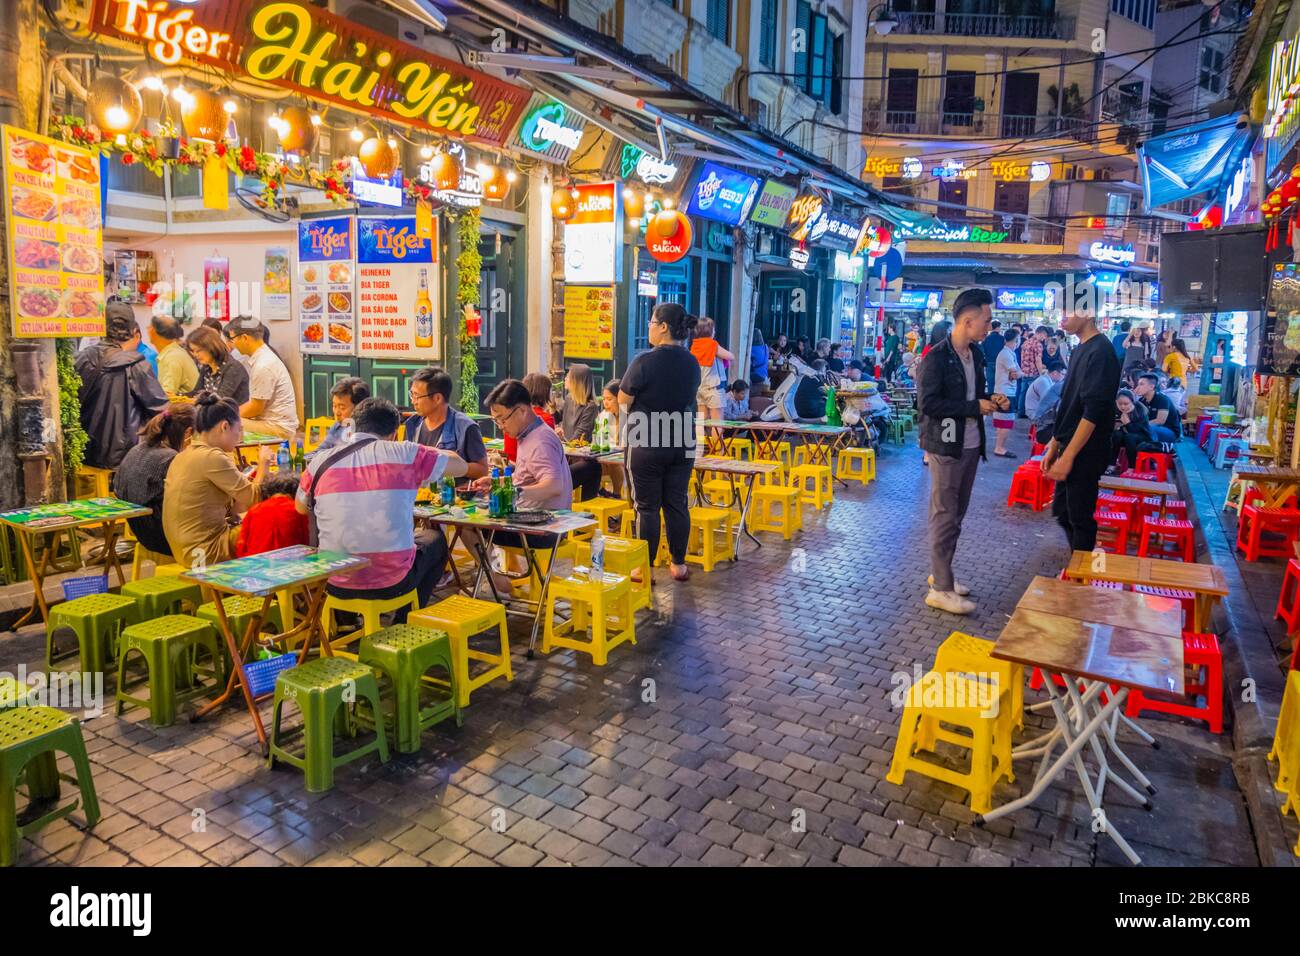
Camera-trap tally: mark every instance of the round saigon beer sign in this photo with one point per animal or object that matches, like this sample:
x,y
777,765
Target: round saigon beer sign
x,y
672,247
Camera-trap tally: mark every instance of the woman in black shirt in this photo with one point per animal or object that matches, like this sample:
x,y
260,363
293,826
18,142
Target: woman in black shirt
x,y
218,371
658,390
141,475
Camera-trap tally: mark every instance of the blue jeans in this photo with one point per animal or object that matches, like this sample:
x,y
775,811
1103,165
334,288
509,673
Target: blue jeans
x,y
1161,433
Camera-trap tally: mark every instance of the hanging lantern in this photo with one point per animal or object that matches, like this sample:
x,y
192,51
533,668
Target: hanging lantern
x,y
298,134
666,223
562,205
378,159
444,171
473,322
633,203
496,184
114,104
1211,217
203,116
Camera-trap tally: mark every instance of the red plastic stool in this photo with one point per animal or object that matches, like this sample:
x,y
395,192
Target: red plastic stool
x,y
1199,650
1186,598
1255,522
1149,507
1175,509
1027,488
1154,461
1128,504
1178,533
1288,599
1115,521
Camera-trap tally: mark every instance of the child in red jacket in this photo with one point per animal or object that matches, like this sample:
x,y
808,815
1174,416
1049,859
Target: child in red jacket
x,y
274,522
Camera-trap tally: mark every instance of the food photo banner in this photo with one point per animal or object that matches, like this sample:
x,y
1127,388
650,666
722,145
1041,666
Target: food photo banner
x,y
55,239
326,267
397,290
293,44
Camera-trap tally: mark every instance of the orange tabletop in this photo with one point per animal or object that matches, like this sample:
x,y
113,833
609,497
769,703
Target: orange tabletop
x,y
1125,609
1138,486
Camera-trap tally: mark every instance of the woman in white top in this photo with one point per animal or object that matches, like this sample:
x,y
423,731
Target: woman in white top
x,y
1005,376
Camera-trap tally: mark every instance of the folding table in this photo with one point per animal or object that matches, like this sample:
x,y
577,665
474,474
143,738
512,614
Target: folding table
x,y
1206,581
747,471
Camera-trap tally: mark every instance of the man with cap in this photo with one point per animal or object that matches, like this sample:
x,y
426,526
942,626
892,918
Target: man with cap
x,y
119,391
271,408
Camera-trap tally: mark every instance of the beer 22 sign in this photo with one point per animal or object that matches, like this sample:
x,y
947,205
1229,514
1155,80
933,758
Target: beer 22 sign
x,y
325,57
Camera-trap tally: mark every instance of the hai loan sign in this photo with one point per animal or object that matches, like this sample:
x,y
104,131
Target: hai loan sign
x,y
292,44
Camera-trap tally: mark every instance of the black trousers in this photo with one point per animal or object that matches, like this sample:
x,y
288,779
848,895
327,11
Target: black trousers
x,y
1075,503
428,566
660,479
586,477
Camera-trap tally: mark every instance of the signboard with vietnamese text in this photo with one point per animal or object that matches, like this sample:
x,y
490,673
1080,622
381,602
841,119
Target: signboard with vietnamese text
x,y
1032,300
593,237
397,291
589,322
772,207
325,57
55,237
325,288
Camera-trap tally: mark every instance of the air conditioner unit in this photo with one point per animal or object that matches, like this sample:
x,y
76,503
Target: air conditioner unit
x,y
756,111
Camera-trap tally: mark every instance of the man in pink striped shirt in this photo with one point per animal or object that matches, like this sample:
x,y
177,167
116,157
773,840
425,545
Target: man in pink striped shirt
x,y
364,505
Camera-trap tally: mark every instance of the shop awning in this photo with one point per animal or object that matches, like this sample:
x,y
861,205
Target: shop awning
x,y
1196,159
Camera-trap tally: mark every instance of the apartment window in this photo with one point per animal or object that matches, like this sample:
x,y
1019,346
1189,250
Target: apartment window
x,y
817,67
1011,199
767,34
1211,76
952,192
900,104
1141,12
718,19
959,98
1116,212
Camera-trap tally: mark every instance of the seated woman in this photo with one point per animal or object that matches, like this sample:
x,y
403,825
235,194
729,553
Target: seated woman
x,y
218,370
1132,428
577,421
205,492
610,421
141,476
274,522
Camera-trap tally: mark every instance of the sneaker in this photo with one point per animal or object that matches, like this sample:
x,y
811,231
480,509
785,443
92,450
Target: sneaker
x,y
949,601
959,588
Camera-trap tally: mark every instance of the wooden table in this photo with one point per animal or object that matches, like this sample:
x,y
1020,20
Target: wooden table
x,y
1206,581
747,471
1138,486
263,576
30,523
1274,482
1111,642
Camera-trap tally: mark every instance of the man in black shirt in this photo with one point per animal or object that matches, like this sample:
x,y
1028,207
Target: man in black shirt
x,y
1166,423
992,349
1079,451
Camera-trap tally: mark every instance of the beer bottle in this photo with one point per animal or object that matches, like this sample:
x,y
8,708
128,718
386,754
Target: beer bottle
x,y
423,314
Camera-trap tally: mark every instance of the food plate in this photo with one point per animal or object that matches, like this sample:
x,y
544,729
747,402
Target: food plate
x,y
309,274
340,302
80,304
340,332
36,254
311,302
313,333
339,272
32,154
33,204
83,259
80,212
79,168
529,517
37,303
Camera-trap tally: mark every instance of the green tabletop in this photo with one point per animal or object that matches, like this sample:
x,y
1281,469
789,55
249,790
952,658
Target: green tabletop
x,y
257,438
562,521
494,444
264,574
61,514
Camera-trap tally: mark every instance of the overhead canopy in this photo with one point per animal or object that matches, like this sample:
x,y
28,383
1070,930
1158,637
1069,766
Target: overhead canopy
x,y
1193,160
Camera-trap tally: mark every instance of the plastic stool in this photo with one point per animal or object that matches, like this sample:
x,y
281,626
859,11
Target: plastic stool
x,y
820,491
603,509
1027,488
167,645
320,688
30,739
741,449
97,620
1154,461
1199,650
1180,532
966,654
1288,599
1254,522
1186,598
781,455
405,654
594,597
856,464
161,595
623,557
1117,522
93,482
1286,739
461,618
776,509
706,525
369,608
1126,504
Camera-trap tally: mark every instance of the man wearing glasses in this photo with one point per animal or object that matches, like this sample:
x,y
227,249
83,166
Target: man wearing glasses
x,y
437,424
541,478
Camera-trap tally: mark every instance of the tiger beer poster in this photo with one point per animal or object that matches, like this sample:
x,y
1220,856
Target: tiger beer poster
x,y
55,237
326,324
397,290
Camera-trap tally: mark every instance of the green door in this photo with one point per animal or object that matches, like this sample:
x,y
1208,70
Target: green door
x,y
321,373
391,379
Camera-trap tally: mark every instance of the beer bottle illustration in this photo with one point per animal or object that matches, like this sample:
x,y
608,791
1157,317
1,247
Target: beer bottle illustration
x,y
423,314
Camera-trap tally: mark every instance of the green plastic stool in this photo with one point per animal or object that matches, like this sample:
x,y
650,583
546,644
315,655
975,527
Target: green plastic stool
x,y
319,688
14,694
897,431
96,619
167,645
158,596
405,653
30,737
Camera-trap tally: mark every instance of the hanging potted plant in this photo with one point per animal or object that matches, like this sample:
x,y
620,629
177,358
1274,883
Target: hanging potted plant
x,y
169,140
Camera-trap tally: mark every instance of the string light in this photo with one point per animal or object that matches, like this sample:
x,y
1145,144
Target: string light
x,y
356,134
426,151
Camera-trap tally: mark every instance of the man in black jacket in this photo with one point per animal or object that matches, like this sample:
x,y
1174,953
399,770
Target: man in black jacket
x,y
953,400
119,391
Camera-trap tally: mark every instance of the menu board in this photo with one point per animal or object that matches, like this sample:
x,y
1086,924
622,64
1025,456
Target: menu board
x,y
55,236
325,293
397,290
276,285
1279,347
589,321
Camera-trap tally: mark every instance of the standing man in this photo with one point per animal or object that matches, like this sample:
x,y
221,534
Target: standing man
x,y
271,408
438,424
992,349
1118,338
1006,381
177,372
1079,451
953,402
1031,364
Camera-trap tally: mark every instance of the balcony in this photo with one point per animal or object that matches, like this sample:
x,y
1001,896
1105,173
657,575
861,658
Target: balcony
x,y
986,25
977,125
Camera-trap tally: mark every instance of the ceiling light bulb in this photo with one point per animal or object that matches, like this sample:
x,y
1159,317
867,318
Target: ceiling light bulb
x,y
315,119
392,142
356,134
179,93
510,176
426,151
230,106
117,117
483,169
152,82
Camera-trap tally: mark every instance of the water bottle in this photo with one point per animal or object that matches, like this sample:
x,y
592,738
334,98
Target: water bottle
x,y
494,494
508,490
447,492
282,457
597,554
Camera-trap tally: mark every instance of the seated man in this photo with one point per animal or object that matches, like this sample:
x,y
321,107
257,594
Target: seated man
x,y
1166,422
345,396
439,424
735,404
363,503
271,408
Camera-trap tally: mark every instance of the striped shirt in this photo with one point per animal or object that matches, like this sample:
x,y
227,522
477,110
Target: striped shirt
x,y
365,507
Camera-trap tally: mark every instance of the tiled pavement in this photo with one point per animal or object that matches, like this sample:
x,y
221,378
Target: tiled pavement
x,y
770,695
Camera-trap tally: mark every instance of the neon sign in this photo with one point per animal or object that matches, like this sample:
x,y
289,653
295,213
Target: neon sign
x,y
550,129
1283,85
1009,170
942,232
649,169
292,44
1112,254
952,169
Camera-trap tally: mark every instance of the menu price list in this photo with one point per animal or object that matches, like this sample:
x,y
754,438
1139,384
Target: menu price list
x,y
589,321
325,307
56,262
386,327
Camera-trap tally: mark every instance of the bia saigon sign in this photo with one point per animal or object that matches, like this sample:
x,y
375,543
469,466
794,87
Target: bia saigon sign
x,y
292,44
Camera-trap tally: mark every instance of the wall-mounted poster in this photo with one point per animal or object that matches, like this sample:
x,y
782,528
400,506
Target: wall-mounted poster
x,y
276,286
589,321
216,288
397,290
325,287
592,237
1191,326
55,238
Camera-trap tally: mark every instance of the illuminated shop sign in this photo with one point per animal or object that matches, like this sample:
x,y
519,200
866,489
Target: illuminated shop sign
x,y
812,220
799,257
773,205
1037,300
1112,254
550,129
917,299
651,170
942,232
908,167
1283,86
723,195
1010,170
952,169
298,46
468,193
382,191
847,268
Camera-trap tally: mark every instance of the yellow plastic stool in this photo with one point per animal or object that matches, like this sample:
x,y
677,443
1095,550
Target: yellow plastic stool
x,y
856,464
961,702
626,524
821,493
143,554
168,570
462,618
964,654
706,525
1286,740
93,482
776,509
315,432
782,456
623,557
595,597
603,509
368,608
718,493
741,449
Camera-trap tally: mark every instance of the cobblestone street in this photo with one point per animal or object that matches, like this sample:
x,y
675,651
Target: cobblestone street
x,y
771,695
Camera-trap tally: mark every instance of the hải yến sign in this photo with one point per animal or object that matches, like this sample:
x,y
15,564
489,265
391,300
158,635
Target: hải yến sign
x,y
323,56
